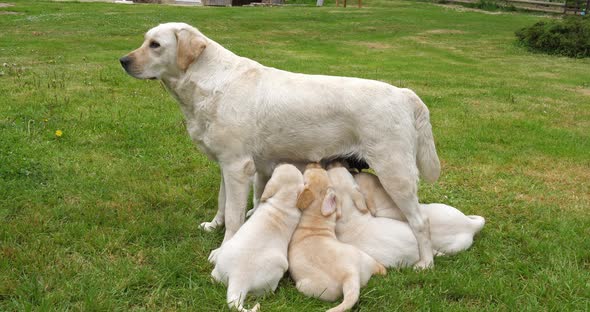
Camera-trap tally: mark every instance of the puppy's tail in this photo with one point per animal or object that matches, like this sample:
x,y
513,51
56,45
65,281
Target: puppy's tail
x,y
426,156
351,290
236,296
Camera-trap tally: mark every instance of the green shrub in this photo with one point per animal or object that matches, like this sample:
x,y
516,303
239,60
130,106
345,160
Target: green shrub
x,y
569,37
488,5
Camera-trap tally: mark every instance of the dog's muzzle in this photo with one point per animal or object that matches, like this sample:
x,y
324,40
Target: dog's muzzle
x,y
125,62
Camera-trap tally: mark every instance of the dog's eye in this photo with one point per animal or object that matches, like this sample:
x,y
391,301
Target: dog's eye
x,y
154,45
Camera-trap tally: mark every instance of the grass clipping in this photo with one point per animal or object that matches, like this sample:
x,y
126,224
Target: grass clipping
x,y
568,37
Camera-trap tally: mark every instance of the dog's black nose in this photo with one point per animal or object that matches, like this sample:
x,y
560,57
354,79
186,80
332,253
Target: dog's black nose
x,y
125,61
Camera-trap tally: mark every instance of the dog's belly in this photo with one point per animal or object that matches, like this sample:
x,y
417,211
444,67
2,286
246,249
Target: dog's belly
x,y
266,165
311,141
324,142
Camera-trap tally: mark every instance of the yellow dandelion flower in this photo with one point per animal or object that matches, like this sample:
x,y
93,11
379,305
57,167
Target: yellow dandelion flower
x,y
58,133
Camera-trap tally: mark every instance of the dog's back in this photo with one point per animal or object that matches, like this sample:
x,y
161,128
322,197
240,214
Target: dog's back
x,y
321,265
451,230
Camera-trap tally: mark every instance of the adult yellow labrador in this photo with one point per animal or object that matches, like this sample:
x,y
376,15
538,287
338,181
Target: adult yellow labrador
x,y
249,117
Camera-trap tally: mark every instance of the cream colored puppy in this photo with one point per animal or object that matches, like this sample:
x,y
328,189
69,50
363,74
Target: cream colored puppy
x,y
255,259
390,242
451,231
321,265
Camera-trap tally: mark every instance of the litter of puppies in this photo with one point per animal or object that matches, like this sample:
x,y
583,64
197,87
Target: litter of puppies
x,y
340,227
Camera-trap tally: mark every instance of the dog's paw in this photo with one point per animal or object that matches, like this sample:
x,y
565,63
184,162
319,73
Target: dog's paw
x,y
209,226
380,269
250,212
213,255
423,265
438,253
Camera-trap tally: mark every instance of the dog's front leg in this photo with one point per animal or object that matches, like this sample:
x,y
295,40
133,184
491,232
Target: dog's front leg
x,y
260,181
219,218
237,176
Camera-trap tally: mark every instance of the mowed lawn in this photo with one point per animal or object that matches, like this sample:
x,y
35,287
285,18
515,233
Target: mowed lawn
x,y
106,216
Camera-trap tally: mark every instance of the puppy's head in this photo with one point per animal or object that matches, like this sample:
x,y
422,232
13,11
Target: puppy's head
x,y
286,181
317,193
346,187
167,51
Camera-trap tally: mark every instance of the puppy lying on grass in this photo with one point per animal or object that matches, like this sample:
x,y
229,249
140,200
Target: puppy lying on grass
x,y
320,265
451,231
255,258
390,242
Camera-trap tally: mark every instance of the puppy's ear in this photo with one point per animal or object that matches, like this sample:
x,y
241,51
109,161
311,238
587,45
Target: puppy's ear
x,y
359,200
305,198
329,204
189,47
270,190
370,201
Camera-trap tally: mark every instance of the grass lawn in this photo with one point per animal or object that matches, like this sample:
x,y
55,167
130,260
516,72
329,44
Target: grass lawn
x,y
106,216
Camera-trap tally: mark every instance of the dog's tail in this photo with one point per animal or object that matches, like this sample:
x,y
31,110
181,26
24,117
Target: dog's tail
x,y
236,295
426,157
351,290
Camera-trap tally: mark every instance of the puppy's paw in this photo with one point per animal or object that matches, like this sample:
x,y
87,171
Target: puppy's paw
x,y
250,212
438,253
216,276
210,226
423,265
213,255
380,269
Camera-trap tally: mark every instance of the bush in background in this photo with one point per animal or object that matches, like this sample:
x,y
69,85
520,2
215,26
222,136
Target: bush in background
x,y
569,37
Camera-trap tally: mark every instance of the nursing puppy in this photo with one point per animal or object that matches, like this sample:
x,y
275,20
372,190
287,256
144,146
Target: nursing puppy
x,y
249,117
321,265
451,231
390,242
255,259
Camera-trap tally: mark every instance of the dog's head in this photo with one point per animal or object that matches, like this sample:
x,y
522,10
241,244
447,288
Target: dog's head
x,y
286,182
347,190
317,193
167,51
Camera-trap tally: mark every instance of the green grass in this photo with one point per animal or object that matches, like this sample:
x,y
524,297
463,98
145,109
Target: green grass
x,y
106,216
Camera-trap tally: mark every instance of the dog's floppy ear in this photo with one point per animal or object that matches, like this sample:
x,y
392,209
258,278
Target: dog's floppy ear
x,y
189,47
359,200
305,198
270,190
329,204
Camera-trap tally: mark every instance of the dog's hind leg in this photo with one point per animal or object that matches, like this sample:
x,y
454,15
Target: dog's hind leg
x,y
219,219
398,173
